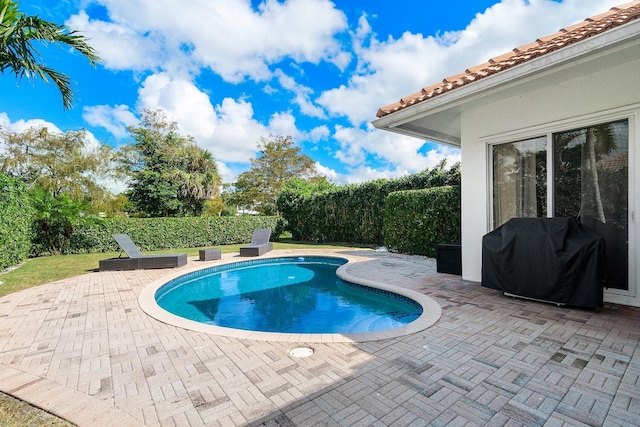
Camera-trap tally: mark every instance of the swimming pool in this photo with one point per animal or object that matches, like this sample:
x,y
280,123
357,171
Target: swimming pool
x,y
290,295
295,298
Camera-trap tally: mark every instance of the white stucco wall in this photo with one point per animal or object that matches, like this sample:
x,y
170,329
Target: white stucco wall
x,y
599,97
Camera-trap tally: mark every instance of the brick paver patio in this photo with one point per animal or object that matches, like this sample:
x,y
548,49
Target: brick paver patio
x,y
83,349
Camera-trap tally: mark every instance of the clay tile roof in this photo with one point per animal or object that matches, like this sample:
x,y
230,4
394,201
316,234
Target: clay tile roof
x,y
615,17
614,164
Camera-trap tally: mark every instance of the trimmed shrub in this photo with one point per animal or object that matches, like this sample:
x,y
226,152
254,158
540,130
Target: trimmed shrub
x,y
419,220
352,213
152,234
15,221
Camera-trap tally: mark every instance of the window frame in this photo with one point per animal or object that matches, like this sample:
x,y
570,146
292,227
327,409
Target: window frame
x,y
630,113
492,174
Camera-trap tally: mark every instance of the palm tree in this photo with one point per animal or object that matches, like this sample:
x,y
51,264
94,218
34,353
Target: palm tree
x,y
598,138
592,144
18,54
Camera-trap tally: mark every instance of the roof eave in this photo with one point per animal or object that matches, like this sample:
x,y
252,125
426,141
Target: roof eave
x,y
401,121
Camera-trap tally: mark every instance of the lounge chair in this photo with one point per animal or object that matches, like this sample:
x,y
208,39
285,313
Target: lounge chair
x,y
137,260
259,245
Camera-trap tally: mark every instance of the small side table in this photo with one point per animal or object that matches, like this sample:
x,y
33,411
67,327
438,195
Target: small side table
x,y
210,254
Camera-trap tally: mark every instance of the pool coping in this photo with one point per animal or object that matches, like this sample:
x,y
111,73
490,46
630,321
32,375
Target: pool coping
x,y
431,310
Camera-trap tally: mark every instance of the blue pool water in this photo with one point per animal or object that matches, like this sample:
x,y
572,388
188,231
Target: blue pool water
x,y
290,294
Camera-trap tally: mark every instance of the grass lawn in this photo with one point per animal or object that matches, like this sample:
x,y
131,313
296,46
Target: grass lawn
x,y
16,413
37,271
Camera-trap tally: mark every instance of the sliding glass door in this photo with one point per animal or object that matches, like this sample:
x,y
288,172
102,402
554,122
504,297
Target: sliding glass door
x,y
589,181
591,168
519,180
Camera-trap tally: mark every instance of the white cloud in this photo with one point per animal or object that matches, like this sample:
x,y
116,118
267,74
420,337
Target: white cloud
x,y
401,153
350,151
226,173
387,71
392,68
331,174
168,45
23,125
406,153
114,119
230,37
389,68
227,130
237,132
283,124
512,23
302,95
120,47
319,133
185,103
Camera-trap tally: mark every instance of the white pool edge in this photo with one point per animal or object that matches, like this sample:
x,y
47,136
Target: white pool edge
x,y
431,310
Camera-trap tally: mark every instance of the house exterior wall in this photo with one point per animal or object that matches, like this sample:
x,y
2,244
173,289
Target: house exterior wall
x,y
609,94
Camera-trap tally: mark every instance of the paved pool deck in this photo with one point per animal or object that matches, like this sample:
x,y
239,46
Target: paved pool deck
x,y
83,349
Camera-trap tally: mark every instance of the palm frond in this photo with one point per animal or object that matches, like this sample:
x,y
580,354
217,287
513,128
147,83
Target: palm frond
x,y
19,37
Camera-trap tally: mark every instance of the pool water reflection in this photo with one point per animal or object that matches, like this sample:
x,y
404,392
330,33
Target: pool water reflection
x,y
287,295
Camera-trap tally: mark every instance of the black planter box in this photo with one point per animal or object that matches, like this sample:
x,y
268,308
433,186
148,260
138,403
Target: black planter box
x,y
449,258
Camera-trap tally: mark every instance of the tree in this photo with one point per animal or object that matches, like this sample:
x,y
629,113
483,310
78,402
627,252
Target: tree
x,y
600,141
230,206
578,153
307,188
55,218
63,174
15,221
19,36
59,163
110,206
278,161
213,207
169,174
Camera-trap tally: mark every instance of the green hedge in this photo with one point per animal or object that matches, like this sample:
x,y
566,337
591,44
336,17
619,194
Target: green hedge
x,y
353,213
15,221
151,234
417,221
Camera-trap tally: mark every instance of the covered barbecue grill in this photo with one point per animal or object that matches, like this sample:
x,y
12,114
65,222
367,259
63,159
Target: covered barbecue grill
x,y
557,260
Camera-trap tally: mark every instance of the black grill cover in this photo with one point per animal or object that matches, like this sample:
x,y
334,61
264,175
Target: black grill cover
x,y
550,259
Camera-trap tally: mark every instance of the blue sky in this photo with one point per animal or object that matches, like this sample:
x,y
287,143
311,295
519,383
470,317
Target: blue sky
x,y
232,71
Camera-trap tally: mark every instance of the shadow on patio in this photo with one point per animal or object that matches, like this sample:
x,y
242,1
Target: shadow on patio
x,y
490,360
82,348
